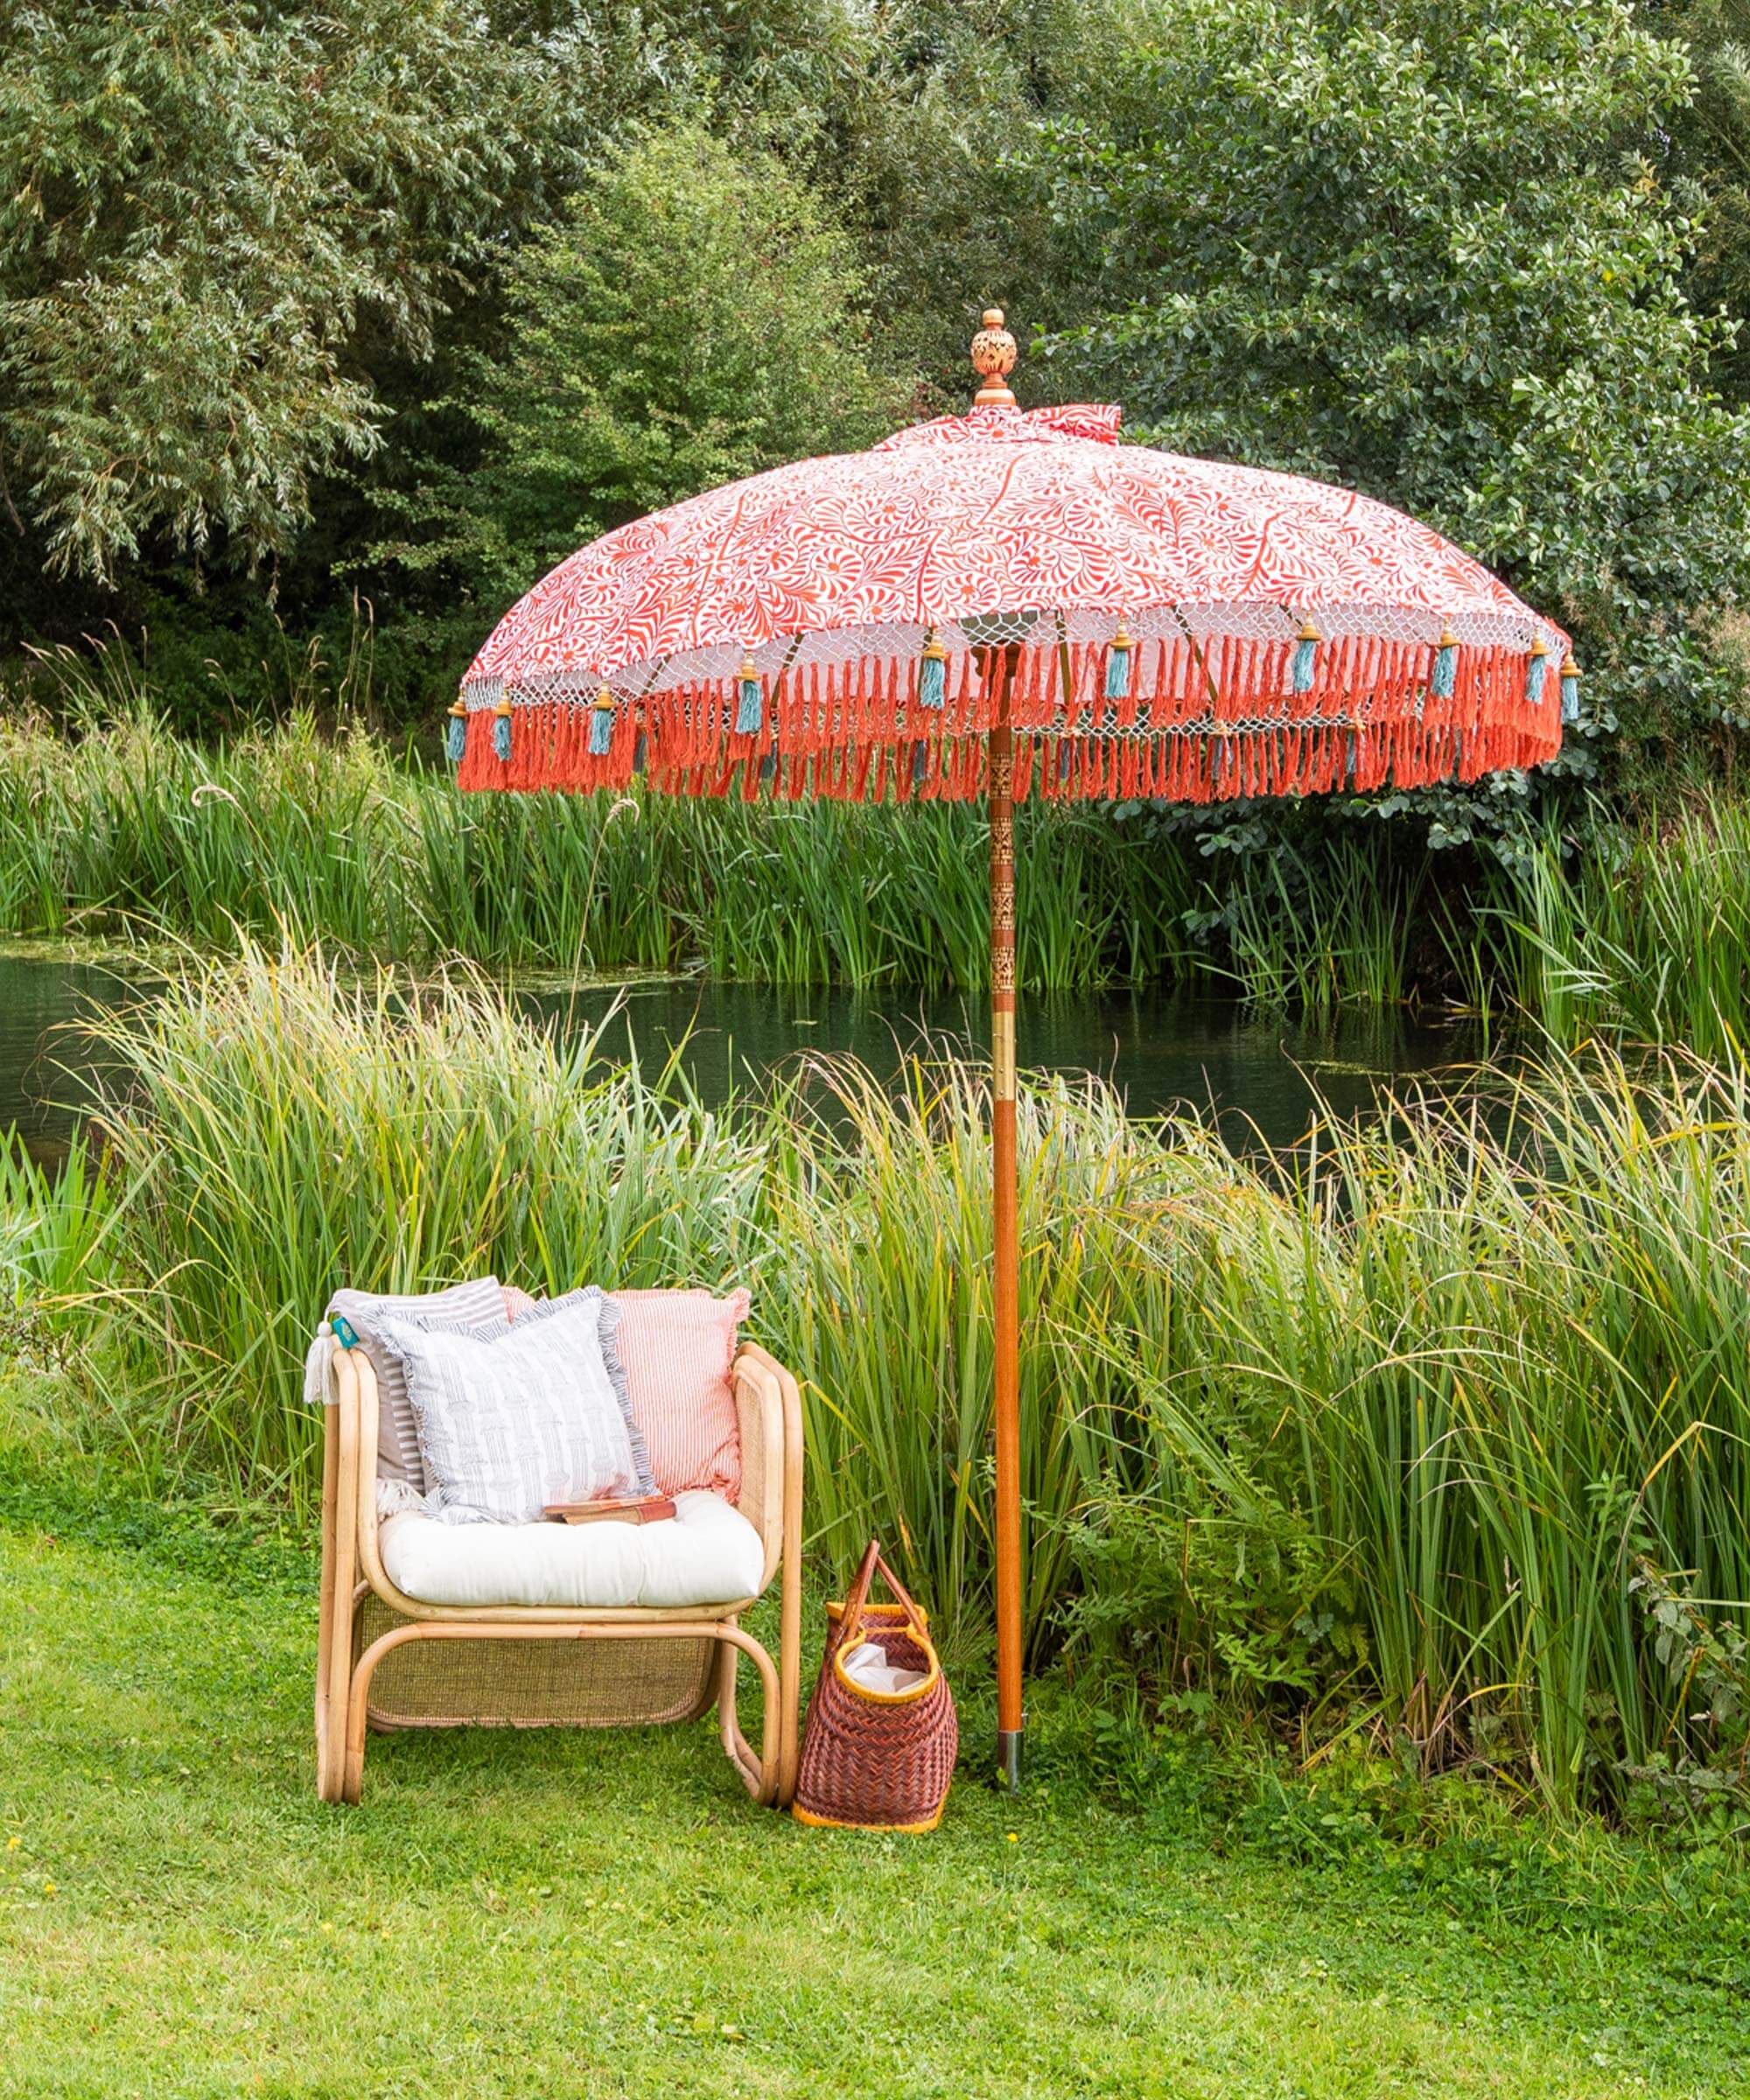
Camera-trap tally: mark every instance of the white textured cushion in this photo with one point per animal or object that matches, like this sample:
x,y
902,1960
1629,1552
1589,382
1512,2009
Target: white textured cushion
x,y
512,1418
706,1553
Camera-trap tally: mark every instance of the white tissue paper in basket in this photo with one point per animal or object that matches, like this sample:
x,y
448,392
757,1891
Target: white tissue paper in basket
x,y
867,1665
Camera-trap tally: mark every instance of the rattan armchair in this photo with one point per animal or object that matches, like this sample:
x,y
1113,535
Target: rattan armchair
x,y
386,1661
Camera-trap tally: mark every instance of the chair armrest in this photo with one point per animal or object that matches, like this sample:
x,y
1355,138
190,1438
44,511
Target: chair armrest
x,y
769,1412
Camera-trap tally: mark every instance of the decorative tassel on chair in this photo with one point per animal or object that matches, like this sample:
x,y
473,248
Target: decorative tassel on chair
x,y
1571,690
1118,663
750,716
502,730
456,735
932,673
601,724
1305,649
1536,665
1445,679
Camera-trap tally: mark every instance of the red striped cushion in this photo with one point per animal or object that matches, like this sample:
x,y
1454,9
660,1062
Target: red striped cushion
x,y
677,1347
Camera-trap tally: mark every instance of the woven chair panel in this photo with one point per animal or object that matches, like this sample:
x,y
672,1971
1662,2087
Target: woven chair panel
x,y
564,1682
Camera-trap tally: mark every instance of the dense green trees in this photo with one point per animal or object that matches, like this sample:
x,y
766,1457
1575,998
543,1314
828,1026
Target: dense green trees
x,y
1703,154
1415,246
297,302
690,317
213,218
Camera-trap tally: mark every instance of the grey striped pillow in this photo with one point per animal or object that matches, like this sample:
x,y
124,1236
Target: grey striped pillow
x,y
473,1305
513,1418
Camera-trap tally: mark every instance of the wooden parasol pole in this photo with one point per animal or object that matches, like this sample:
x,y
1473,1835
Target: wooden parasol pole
x,y
993,358
1006,1290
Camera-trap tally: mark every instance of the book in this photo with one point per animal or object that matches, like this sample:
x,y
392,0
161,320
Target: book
x,y
614,1509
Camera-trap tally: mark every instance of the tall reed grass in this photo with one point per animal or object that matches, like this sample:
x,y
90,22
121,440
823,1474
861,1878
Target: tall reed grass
x,y
1384,1434
111,826
1647,931
124,831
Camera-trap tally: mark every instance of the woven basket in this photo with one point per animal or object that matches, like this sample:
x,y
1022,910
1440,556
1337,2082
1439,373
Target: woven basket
x,y
876,1760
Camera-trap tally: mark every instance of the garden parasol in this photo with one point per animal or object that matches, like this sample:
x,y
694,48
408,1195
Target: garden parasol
x,y
1005,605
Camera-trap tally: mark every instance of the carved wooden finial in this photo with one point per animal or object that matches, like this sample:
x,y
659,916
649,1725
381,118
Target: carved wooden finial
x,y
993,358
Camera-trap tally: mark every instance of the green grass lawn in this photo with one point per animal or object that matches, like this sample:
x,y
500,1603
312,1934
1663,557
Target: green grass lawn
x,y
553,1913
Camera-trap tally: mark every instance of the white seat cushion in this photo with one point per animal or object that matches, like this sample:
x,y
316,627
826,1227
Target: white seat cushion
x,y
706,1553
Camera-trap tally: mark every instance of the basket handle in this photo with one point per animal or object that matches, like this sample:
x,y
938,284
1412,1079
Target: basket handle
x,y
857,1595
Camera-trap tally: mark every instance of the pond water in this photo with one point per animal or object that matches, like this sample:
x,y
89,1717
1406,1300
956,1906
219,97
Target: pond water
x,y
1161,1051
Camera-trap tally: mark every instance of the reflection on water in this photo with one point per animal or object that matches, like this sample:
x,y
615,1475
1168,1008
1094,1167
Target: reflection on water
x,y
1162,1052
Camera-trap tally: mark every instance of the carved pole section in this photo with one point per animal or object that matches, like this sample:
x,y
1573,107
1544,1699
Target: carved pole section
x,y
1007,1292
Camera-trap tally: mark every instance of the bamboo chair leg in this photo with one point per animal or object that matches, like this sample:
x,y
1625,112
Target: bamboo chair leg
x,y
790,1599
336,1601
352,1758
334,1682
762,1775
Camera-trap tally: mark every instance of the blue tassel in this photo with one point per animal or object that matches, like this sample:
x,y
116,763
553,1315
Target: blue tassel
x,y
750,715
1445,679
1118,665
1571,691
501,732
641,753
1536,665
919,762
768,769
601,724
933,675
455,736
1305,650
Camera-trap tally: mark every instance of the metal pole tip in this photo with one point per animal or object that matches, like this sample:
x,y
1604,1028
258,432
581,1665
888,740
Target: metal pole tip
x,y
1008,1759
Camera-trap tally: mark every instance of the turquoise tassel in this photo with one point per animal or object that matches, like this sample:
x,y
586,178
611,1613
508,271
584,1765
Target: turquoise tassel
x,y
1305,651
933,675
1536,667
919,762
601,726
1446,678
455,736
1571,692
640,754
502,734
750,715
1118,665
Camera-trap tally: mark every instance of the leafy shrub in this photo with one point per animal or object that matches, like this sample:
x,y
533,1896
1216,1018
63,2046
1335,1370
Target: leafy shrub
x,y
691,317
1225,1585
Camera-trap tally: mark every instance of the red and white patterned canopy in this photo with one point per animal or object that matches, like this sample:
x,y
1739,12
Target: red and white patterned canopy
x,y
1033,541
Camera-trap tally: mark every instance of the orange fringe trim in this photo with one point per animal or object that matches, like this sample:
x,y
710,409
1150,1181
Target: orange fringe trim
x,y
1198,724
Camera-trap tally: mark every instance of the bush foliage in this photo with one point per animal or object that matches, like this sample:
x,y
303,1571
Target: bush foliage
x,y
691,317
1420,248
